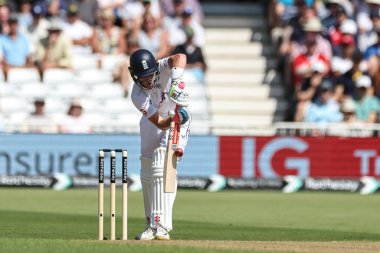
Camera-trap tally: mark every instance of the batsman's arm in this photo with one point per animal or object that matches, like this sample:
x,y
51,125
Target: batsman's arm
x,y
159,122
177,61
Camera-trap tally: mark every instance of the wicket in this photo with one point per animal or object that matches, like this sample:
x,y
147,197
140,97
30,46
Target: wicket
x,y
113,193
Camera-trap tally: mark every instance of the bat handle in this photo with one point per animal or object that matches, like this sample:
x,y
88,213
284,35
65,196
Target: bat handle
x,y
176,118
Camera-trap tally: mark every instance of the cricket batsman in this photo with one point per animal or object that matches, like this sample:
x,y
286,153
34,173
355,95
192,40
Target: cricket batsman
x,y
157,91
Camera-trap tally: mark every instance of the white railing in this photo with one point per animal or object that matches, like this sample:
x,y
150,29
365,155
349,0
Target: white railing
x,y
279,128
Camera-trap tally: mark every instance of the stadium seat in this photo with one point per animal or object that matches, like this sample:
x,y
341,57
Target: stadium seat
x,y
81,62
93,76
23,75
32,91
67,91
11,105
53,76
116,106
109,62
106,90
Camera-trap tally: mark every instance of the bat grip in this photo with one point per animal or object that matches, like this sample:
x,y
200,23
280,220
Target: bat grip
x,y
176,118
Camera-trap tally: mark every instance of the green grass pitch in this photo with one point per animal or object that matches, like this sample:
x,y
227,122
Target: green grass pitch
x,y
42,220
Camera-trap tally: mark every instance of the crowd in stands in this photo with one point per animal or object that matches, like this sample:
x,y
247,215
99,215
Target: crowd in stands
x,y
328,55
51,34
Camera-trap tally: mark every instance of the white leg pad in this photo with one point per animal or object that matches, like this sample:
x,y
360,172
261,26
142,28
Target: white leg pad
x,y
146,182
162,202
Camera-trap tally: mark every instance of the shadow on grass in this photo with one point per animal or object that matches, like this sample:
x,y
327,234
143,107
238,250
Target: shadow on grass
x,y
64,226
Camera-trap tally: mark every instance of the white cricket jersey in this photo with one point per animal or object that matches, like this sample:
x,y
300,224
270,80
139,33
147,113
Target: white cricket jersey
x,y
148,102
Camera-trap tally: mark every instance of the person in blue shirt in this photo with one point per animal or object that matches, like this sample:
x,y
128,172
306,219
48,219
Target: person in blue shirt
x,y
325,110
373,50
367,107
15,47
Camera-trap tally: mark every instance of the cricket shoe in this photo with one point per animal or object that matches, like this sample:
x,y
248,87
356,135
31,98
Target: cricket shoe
x,y
146,235
161,233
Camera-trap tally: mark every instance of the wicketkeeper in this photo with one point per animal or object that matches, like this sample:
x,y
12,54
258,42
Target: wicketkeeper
x,y
157,90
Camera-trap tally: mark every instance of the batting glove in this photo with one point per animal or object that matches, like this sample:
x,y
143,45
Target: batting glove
x,y
182,113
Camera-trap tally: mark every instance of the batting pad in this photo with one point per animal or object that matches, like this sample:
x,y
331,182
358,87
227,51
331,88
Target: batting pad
x,y
162,202
146,182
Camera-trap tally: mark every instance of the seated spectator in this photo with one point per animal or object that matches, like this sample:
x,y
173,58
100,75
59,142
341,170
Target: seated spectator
x,y
25,18
312,39
173,18
348,110
88,10
199,33
153,7
305,64
174,8
4,16
78,31
308,92
38,121
194,55
74,122
54,51
15,48
344,37
366,106
55,10
372,54
107,38
325,109
37,30
153,38
306,56
293,29
121,72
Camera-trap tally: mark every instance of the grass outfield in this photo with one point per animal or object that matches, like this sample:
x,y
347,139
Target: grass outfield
x,y
35,220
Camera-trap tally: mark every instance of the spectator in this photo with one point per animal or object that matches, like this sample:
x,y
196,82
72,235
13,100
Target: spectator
x,y
113,4
55,10
38,121
88,10
15,47
348,110
344,72
74,122
174,8
78,31
308,92
153,38
199,33
366,106
313,50
107,38
121,72
344,37
54,51
173,18
25,17
38,29
4,16
325,109
293,30
372,54
153,7
194,55
312,38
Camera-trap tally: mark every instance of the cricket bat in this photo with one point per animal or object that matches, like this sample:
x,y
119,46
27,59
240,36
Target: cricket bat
x,y
170,163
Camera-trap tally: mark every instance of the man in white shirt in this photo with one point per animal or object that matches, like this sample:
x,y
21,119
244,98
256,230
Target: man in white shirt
x,y
160,95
